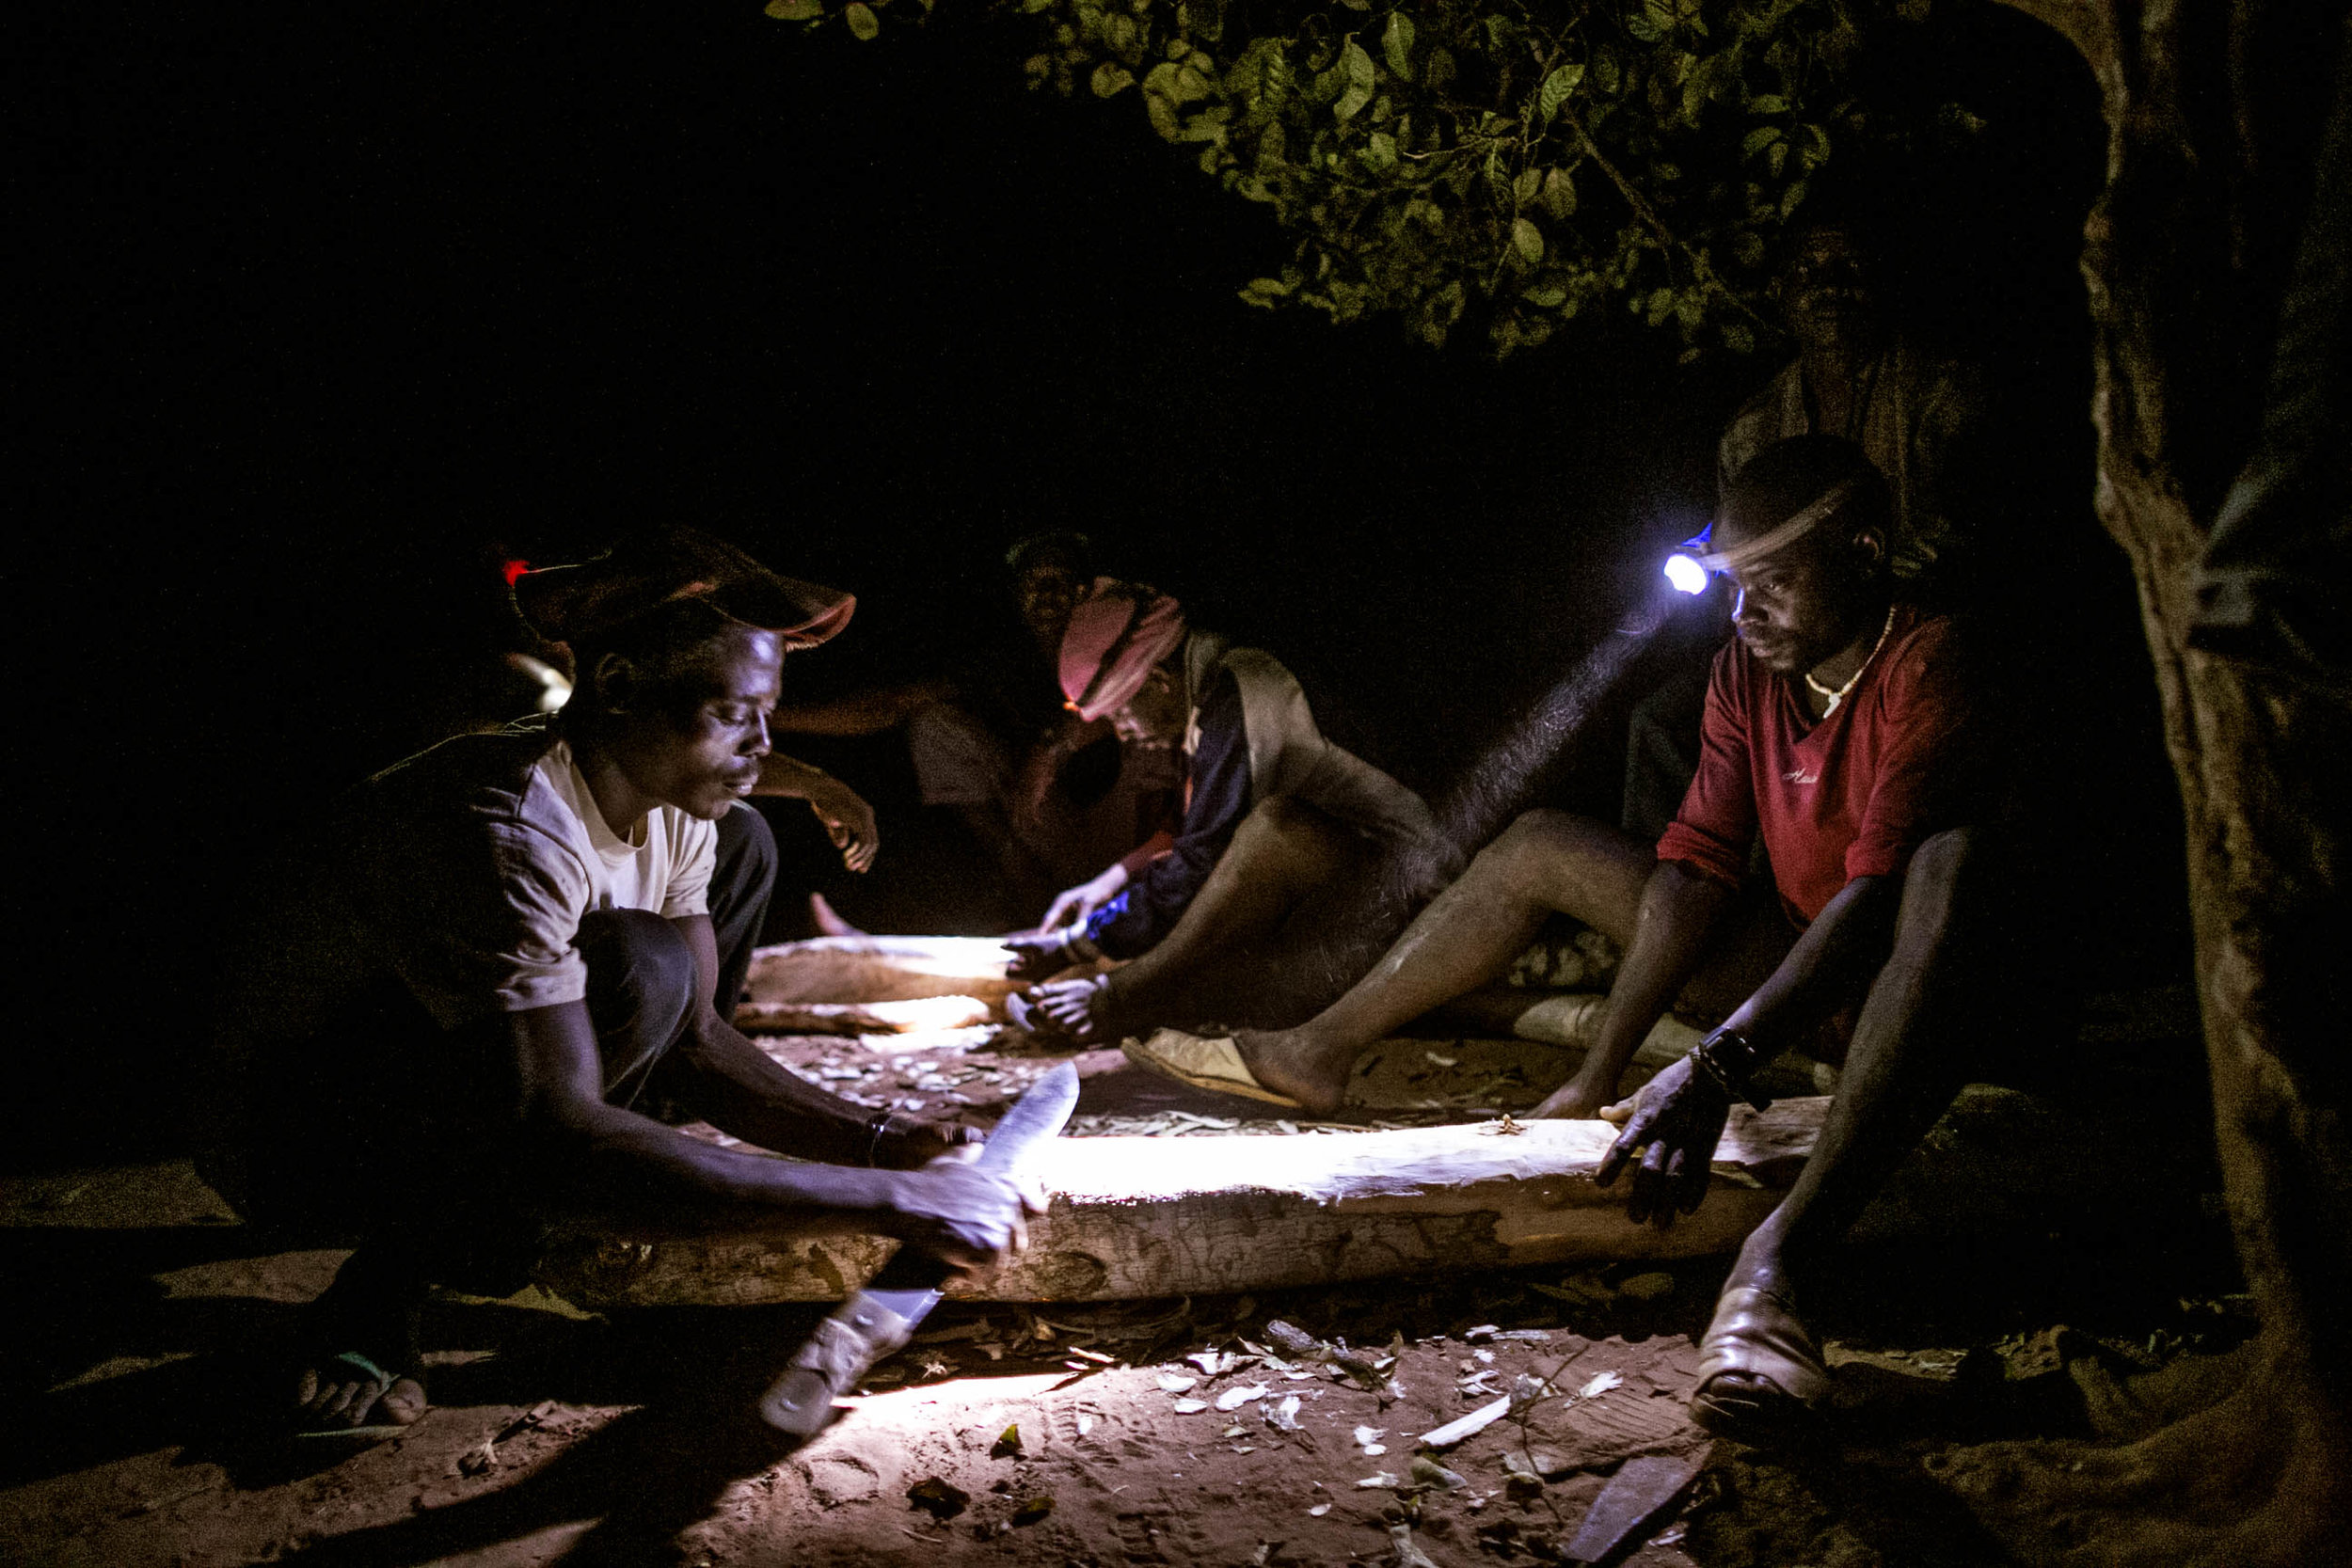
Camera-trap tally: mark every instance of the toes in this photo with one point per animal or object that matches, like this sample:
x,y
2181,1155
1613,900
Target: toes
x,y
403,1402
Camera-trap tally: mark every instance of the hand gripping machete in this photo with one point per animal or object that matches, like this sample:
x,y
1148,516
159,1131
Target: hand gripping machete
x,y
883,1316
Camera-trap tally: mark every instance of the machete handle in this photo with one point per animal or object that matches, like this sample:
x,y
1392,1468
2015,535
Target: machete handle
x,y
860,1332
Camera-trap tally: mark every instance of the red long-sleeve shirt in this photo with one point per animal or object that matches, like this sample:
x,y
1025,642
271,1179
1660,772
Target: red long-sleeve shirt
x,y
1850,795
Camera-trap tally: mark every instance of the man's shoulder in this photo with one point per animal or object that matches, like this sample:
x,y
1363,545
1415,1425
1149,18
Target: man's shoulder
x,y
1762,420
485,765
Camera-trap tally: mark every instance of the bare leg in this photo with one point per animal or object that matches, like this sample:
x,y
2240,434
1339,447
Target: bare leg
x,y
1908,1057
1546,862
1281,851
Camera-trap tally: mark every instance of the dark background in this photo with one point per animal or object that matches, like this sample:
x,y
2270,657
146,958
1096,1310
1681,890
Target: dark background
x,y
336,309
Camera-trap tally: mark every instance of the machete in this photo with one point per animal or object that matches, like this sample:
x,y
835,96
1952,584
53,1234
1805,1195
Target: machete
x,y
881,1317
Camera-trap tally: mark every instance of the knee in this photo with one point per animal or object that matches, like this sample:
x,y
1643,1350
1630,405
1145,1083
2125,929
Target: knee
x,y
1939,887
635,959
1288,821
747,844
1534,839
1942,862
744,867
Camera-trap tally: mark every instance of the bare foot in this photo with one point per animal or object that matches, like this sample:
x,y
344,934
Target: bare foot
x,y
352,1390
1286,1063
828,918
1574,1101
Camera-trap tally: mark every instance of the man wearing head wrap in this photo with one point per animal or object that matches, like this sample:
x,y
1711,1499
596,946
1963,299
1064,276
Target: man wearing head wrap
x,y
472,966
1899,929
1272,809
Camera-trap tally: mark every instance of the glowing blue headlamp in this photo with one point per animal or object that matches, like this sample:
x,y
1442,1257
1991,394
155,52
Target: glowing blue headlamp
x,y
1684,569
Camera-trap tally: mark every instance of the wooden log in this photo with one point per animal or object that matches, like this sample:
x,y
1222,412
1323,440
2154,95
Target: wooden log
x,y
862,1018
880,969
1142,1217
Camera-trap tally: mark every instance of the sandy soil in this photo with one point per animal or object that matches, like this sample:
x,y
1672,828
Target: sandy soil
x,y
1050,1436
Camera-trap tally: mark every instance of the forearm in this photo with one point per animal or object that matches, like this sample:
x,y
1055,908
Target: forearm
x,y
1677,914
740,1090
608,1157
792,778
1830,964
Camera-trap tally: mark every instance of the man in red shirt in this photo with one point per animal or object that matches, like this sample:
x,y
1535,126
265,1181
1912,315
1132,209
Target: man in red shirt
x,y
1839,729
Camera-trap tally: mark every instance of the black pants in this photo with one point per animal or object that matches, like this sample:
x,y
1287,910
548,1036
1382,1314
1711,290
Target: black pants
x,y
390,1132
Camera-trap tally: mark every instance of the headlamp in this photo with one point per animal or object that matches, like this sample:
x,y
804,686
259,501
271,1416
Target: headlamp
x,y
1685,570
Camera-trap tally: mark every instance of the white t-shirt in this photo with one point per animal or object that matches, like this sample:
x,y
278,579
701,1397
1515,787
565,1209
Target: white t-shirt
x,y
464,872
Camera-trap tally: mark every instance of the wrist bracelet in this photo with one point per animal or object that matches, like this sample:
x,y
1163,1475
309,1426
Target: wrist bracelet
x,y
876,1125
1728,1059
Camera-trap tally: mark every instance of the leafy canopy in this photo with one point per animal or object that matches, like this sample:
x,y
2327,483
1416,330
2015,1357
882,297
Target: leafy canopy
x,y
1496,166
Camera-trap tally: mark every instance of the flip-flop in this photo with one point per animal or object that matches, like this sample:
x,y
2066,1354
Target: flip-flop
x,y
1757,1338
1211,1062
359,1436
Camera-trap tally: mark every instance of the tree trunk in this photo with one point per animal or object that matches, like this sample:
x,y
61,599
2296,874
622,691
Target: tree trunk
x,y
2206,188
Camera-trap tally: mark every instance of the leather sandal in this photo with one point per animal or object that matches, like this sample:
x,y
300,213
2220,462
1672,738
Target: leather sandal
x,y
1761,1377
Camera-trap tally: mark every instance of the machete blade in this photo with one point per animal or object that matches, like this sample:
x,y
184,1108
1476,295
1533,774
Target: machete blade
x,y
883,1316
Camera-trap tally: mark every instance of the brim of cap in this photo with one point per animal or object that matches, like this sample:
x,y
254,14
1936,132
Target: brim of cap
x,y
803,614
569,603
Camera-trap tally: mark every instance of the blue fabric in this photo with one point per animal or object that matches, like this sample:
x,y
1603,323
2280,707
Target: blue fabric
x,y
1148,907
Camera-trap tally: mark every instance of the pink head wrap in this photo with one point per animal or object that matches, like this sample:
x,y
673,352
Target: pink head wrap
x,y
1116,634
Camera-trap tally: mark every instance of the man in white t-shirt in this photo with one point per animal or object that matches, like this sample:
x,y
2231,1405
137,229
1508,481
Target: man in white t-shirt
x,y
480,960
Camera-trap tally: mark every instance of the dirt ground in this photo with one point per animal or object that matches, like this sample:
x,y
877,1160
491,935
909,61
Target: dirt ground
x,y
1132,1433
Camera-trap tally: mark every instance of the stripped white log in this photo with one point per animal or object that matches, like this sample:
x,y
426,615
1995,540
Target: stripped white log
x,y
862,1018
880,969
1143,1217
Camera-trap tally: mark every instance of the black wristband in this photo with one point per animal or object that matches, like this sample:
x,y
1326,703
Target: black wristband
x,y
876,1125
1728,1059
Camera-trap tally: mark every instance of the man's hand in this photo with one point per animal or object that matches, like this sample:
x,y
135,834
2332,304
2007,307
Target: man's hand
x,y
849,820
1672,1124
1075,906
909,1143
964,1214
1038,954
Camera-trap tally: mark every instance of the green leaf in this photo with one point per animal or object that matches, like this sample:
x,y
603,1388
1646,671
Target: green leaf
x,y
1556,89
1759,140
1357,65
1110,79
1038,69
1528,240
1524,188
1791,198
860,18
1738,338
1397,44
1380,153
794,10
1768,104
1263,291
1559,194
1353,100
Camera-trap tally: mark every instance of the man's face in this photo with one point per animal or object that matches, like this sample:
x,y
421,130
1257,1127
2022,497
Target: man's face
x,y
1827,294
1799,605
1156,715
701,754
1045,592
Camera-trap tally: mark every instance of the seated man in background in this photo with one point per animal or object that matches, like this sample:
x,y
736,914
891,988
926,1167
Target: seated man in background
x,y
1920,418
1843,725
477,962
1272,811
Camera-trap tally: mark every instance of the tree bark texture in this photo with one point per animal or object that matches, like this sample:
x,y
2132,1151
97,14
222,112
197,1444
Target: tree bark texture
x,y
2211,109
